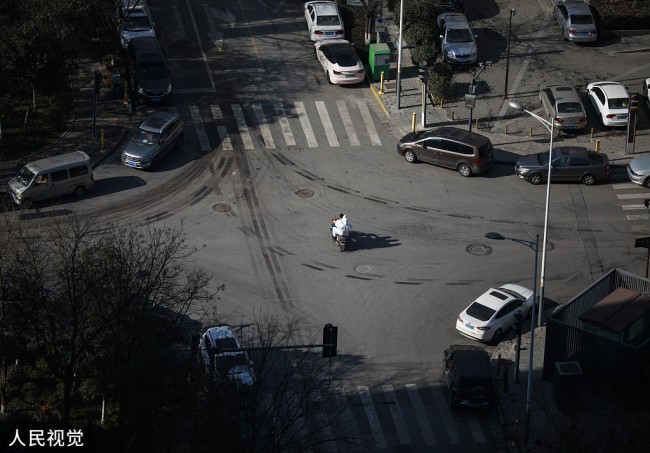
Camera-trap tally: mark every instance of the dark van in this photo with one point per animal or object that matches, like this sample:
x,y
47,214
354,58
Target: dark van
x,y
149,74
467,152
469,376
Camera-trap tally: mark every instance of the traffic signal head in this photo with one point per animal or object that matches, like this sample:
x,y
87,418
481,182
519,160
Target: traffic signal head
x,y
330,334
634,102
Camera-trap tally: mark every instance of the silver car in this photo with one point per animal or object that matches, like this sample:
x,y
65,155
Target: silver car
x,y
639,170
576,21
157,136
458,40
134,21
563,106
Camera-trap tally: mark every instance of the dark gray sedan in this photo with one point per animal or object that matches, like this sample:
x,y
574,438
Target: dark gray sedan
x,y
568,163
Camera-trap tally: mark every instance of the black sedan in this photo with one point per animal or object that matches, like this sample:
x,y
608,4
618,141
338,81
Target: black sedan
x,y
568,163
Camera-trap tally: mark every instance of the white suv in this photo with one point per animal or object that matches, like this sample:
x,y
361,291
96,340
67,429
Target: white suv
x,y
134,20
223,356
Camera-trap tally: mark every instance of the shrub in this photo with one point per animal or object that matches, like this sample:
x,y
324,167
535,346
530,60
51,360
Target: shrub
x,y
440,83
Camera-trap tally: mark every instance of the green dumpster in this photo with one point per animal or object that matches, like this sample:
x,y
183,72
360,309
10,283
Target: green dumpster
x,y
379,56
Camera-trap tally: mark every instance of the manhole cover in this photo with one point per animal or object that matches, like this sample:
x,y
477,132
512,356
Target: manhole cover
x,y
479,249
221,207
294,148
363,269
305,193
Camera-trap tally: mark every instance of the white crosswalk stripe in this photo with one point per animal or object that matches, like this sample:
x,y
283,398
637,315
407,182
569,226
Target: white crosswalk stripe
x,y
327,123
263,127
445,415
243,127
421,414
306,125
224,138
216,112
375,425
347,123
284,125
396,413
370,125
204,143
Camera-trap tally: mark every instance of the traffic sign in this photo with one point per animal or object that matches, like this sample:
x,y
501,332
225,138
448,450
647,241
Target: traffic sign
x,y
642,242
380,24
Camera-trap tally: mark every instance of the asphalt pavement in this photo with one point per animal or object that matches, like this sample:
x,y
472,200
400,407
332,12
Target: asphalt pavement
x,y
511,133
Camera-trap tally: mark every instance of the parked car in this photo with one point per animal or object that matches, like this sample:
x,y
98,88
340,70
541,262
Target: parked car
x,y
568,163
134,21
493,313
468,374
155,138
468,152
563,106
340,61
324,20
646,91
223,356
638,170
612,102
576,21
458,42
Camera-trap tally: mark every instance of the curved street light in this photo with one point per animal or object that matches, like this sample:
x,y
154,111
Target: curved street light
x,y
550,126
529,388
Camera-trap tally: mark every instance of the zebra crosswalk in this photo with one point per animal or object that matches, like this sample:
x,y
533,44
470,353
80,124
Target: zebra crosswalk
x,y
268,126
632,198
412,416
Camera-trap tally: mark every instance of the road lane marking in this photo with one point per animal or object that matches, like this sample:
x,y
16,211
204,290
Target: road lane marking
x,y
370,125
347,123
263,126
284,125
216,112
198,40
204,142
375,425
421,413
396,413
445,415
477,432
327,123
632,196
306,125
225,138
242,126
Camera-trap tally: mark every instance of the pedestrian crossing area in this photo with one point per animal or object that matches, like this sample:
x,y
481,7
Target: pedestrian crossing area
x,y
410,417
317,124
635,202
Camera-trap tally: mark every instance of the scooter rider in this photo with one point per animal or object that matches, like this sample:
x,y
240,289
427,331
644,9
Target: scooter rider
x,y
340,225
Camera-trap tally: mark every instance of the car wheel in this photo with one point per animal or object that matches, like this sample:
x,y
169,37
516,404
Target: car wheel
x,y
497,336
646,183
410,156
27,203
535,179
589,180
478,394
465,170
80,191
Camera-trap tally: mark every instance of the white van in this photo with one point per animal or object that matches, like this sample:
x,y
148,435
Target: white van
x,y
52,177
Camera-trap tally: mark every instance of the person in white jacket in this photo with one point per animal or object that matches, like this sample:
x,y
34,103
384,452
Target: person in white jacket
x,y
340,226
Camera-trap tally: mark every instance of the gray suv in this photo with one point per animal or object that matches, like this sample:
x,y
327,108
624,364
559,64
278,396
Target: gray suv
x,y
157,136
467,152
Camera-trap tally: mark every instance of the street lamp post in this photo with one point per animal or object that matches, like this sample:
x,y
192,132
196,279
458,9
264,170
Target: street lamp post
x,y
505,91
529,388
550,125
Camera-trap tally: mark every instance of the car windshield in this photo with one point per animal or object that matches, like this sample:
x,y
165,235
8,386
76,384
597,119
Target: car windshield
x,y
569,107
480,312
145,137
136,23
344,55
618,103
328,20
25,176
153,71
226,363
581,19
455,35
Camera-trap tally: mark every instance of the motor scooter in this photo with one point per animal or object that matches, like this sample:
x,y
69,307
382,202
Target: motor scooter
x,y
341,240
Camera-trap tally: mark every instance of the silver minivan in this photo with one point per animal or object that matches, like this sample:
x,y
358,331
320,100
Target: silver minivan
x,y
52,177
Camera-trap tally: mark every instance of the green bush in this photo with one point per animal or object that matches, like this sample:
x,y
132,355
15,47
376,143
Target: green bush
x,y
440,83
424,53
418,34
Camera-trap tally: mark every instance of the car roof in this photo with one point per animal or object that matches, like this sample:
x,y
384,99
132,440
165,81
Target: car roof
x,y
456,134
454,20
495,298
324,7
611,89
472,361
563,92
577,7
157,121
578,151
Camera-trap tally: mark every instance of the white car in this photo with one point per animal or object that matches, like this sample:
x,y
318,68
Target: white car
x,y
493,313
611,100
223,356
324,20
340,61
